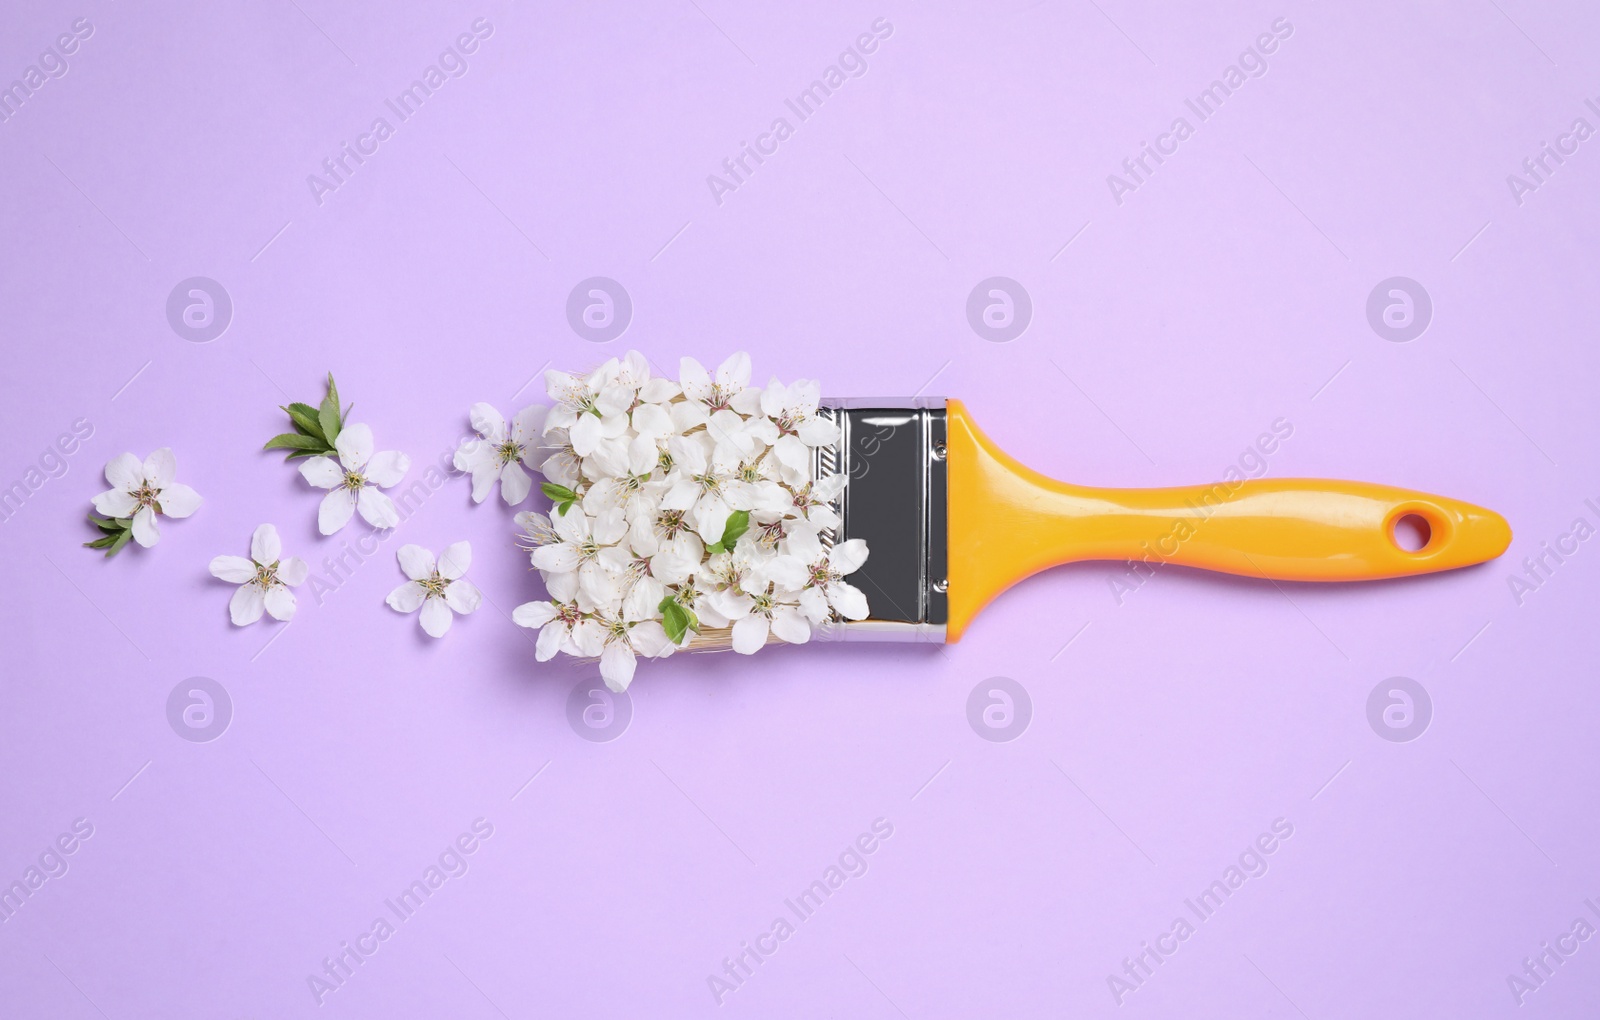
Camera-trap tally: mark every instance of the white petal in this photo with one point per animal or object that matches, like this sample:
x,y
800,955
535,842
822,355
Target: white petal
x,y
335,511
436,618
178,500
643,454
650,638
616,665
561,557
643,601
735,372
488,422
534,614
774,398
387,468
610,526
803,543
124,471
265,546
354,445
588,637
279,602
321,472
818,432
681,495
233,569
730,604
671,567
472,453
711,518
599,584
563,587
160,468
246,605
378,509
407,598
549,642
750,634
145,531
115,503
514,484
415,562
483,479
528,423
652,421
747,402
785,571
847,557
292,570
791,452
463,596
814,605
696,382
586,434
789,625
658,391
686,414
848,600
455,560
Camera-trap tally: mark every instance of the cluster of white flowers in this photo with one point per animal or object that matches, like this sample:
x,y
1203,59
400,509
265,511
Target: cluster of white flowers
x,y
682,509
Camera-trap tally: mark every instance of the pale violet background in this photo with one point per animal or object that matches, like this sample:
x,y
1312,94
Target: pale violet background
x,y
1166,732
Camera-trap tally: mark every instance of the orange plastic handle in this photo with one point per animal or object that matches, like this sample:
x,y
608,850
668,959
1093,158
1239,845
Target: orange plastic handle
x,y
1007,521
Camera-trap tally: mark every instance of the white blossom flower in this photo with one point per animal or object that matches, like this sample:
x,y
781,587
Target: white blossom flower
x,y
141,491
626,479
670,542
793,410
812,502
728,391
591,409
822,573
624,641
562,627
264,579
634,373
436,588
354,479
561,463
499,452
768,610
588,547
756,486
699,484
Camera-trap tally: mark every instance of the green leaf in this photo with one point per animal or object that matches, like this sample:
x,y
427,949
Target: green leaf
x,y
563,507
738,524
309,453
328,414
557,493
296,441
117,543
675,621
111,525
305,419
101,542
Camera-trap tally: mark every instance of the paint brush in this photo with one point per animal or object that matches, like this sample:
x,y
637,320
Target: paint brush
x,y
952,521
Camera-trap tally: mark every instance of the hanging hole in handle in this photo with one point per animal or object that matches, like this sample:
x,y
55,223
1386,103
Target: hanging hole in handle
x,y
1412,533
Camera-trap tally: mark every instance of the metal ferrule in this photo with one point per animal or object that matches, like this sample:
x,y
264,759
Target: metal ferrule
x,y
893,453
